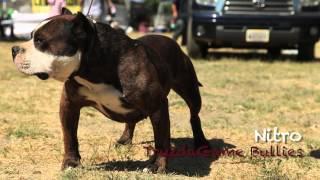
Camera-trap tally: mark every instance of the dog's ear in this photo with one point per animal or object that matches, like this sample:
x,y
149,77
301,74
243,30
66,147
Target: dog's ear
x,y
81,26
81,16
65,11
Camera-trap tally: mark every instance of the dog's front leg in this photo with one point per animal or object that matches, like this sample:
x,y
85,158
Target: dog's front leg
x,y
69,117
161,129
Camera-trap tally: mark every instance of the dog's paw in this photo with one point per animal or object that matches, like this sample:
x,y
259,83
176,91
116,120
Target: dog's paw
x,y
124,141
153,168
158,165
70,162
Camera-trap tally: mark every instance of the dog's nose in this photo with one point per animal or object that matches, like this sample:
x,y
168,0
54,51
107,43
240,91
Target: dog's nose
x,y
15,51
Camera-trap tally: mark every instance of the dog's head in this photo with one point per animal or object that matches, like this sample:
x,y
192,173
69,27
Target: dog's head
x,y
55,47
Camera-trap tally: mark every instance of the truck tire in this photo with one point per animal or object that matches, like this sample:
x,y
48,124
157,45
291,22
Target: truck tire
x,y
306,51
194,49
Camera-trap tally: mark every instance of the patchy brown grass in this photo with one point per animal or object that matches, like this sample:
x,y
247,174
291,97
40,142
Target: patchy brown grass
x,y
238,97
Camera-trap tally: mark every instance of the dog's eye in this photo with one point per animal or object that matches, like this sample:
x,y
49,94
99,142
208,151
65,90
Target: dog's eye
x,y
38,40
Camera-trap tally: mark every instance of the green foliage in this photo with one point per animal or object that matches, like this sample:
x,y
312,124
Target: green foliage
x,y
24,130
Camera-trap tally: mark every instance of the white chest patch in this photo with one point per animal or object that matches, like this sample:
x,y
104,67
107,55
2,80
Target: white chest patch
x,y
103,95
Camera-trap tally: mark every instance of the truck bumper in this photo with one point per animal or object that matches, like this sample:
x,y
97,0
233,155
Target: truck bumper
x,y
230,31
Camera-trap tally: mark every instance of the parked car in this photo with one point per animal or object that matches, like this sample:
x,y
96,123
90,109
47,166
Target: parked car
x,y
269,24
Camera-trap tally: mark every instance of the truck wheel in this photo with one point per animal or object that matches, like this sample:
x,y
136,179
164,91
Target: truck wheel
x,y
306,52
194,49
274,52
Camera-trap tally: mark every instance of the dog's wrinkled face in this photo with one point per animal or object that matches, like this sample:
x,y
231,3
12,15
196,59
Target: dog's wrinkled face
x,y
53,50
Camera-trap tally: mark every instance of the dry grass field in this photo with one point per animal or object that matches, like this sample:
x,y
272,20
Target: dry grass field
x,y
240,95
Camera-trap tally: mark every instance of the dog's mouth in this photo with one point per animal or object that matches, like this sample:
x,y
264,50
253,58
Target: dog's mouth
x,y
42,76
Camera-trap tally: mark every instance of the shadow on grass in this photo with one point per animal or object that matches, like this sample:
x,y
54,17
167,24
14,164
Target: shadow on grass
x,y
188,166
196,166
315,154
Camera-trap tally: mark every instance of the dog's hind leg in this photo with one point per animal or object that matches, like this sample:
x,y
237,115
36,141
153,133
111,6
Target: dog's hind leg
x,y
161,129
127,134
192,97
187,86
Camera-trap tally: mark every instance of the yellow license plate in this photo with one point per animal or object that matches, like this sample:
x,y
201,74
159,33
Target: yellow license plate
x,y
258,35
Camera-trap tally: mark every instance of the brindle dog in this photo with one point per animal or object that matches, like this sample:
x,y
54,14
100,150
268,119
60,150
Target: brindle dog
x,y
127,80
